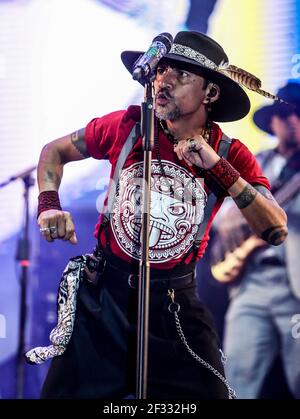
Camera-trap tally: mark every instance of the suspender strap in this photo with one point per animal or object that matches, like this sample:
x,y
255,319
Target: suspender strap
x,y
212,199
113,184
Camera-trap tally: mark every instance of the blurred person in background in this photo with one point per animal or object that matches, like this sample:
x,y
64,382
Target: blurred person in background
x,y
264,280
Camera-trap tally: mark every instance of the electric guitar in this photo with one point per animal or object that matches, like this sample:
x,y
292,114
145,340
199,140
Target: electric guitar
x,y
231,267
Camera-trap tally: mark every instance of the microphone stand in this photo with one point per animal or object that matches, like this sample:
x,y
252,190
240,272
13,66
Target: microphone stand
x,y
22,255
144,268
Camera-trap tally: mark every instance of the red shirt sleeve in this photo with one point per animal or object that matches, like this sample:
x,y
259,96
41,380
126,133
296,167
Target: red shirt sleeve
x,y
101,133
104,137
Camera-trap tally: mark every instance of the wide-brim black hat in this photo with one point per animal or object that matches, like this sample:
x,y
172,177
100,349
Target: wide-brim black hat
x,y
202,55
289,93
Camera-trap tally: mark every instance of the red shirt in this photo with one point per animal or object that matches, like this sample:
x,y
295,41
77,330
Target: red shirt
x,y
174,219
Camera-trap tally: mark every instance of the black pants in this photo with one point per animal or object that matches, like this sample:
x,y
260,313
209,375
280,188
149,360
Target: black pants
x,y
100,361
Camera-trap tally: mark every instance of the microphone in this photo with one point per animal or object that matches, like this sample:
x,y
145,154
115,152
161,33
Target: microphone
x,y
144,65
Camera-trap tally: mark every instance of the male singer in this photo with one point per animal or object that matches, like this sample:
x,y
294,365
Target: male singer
x,y
194,166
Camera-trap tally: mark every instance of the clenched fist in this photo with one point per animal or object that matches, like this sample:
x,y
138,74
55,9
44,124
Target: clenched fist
x,y
55,224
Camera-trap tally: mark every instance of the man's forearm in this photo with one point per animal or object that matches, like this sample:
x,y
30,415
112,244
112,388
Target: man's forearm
x,y
267,219
50,169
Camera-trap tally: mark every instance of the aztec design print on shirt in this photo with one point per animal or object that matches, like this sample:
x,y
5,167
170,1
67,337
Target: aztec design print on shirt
x,y
176,209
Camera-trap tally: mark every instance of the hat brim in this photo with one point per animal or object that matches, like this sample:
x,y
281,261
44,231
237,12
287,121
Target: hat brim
x,y
233,103
262,117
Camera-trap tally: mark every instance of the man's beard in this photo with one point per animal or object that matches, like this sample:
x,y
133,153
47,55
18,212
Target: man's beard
x,y
164,114
291,142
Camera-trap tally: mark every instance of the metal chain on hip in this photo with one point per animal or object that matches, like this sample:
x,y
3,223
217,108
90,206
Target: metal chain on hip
x,y
174,308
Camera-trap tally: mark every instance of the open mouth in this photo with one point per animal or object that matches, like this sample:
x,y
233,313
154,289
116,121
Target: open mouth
x,y
162,98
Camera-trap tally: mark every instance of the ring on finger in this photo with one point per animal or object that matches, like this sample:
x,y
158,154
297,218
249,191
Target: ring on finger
x,y
53,229
45,230
192,144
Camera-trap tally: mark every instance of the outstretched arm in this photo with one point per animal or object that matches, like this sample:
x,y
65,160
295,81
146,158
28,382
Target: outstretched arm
x,y
57,224
267,219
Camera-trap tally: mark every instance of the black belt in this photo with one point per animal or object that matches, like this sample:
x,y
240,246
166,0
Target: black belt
x,y
178,277
170,283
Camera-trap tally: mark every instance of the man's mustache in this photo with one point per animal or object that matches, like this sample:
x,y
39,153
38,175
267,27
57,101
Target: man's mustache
x,y
164,94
